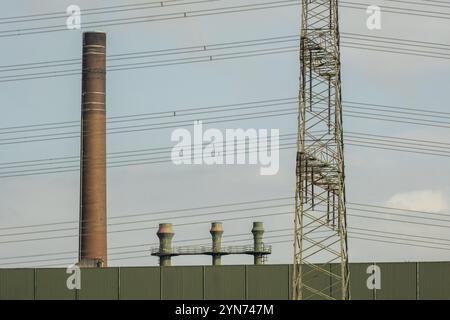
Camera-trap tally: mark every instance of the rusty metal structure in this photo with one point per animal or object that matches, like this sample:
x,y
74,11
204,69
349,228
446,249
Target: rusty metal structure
x,y
320,244
165,251
93,230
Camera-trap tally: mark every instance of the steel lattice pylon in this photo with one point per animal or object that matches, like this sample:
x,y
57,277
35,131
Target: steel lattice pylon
x,y
320,249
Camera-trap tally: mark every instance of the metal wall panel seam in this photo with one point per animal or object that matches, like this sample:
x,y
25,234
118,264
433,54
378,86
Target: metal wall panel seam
x,y
204,283
245,283
118,285
330,267
34,284
417,281
374,289
289,281
160,284
349,289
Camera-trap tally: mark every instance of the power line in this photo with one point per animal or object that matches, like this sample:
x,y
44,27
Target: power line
x,y
383,106
369,230
401,221
207,58
154,53
399,214
395,40
399,10
152,18
227,45
169,125
148,220
121,129
394,50
151,5
242,218
204,59
428,3
168,160
178,111
157,63
147,5
394,148
154,212
435,146
397,209
139,245
400,234
190,111
372,233
214,11
149,228
100,10
152,220
162,150
357,139
389,117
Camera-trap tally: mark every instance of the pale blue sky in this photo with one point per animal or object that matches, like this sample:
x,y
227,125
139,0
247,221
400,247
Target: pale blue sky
x,y
373,176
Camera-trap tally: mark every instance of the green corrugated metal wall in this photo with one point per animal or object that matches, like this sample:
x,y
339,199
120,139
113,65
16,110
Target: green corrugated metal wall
x,y
434,280
182,283
268,282
140,283
51,284
358,282
225,282
399,281
423,280
17,284
99,284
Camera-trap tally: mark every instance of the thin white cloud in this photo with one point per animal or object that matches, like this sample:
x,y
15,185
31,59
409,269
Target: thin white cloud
x,y
422,200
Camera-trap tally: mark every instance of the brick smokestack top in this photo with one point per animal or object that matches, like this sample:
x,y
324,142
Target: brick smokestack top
x,y
93,237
